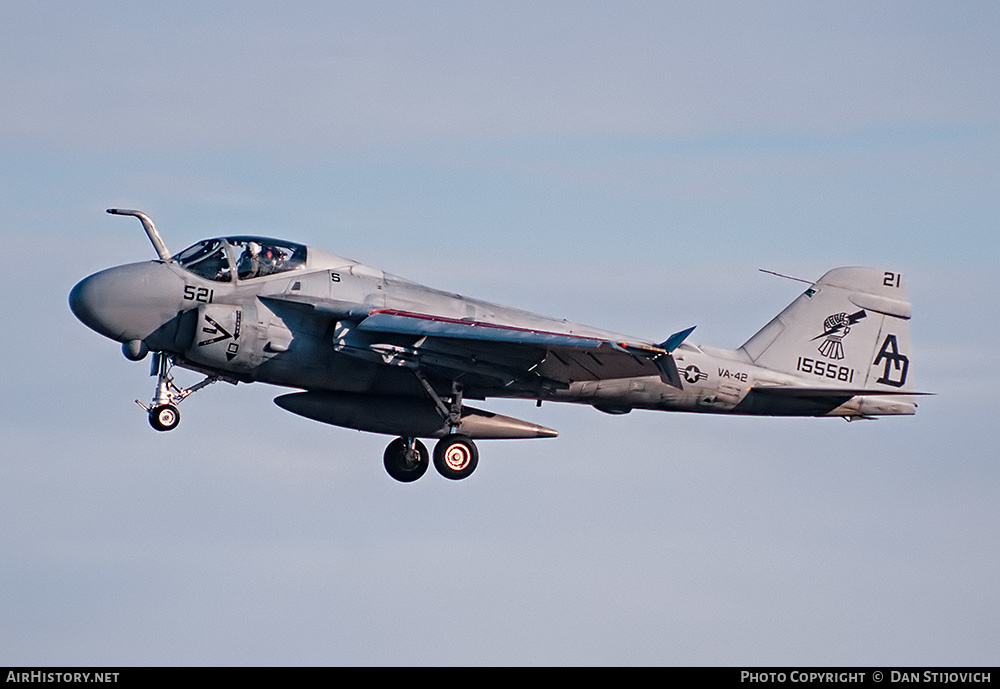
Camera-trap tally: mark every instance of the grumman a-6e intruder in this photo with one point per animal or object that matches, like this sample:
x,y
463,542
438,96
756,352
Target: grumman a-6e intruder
x,y
378,353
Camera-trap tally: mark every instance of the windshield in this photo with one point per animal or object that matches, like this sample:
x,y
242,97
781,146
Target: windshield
x,y
207,259
253,257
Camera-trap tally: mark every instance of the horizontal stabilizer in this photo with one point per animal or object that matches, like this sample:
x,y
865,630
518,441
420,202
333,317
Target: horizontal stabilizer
x,y
801,391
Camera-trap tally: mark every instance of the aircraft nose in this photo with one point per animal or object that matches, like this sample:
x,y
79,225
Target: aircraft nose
x,y
128,302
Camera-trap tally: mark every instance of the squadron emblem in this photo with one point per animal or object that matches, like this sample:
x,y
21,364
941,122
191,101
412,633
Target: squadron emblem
x,y
221,334
835,328
895,363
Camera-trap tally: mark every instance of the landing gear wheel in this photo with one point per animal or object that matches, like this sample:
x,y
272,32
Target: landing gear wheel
x,y
455,457
164,417
406,462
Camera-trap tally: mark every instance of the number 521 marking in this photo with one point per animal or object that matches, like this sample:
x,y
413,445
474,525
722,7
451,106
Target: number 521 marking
x,y
203,295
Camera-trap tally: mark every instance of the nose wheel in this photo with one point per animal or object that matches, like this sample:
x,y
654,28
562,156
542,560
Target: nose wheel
x,y
163,414
164,417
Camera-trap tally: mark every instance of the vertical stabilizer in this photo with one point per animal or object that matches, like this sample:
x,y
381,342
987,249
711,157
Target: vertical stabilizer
x,y
849,329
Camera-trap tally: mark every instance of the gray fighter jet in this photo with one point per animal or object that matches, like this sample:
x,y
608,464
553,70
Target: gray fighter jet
x,y
379,353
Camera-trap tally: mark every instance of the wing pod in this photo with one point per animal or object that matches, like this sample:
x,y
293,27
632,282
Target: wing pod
x,y
405,416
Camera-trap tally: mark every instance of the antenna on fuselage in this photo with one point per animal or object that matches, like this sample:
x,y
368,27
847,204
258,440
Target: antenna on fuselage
x,y
147,224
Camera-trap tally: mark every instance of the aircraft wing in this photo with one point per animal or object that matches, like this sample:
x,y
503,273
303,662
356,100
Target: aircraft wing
x,y
518,354
411,323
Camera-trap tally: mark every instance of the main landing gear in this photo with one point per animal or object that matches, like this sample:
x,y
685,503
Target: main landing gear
x,y
405,459
455,455
162,411
455,458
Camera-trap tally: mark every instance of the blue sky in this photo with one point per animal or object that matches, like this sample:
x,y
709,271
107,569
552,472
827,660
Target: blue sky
x,y
626,165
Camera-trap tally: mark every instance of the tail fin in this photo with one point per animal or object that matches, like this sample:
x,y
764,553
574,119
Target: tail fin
x,y
849,329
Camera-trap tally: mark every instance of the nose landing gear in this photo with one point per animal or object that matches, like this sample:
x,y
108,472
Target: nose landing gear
x,y
162,411
164,417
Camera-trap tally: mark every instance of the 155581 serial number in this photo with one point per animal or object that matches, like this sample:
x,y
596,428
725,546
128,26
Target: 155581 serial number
x,y
825,369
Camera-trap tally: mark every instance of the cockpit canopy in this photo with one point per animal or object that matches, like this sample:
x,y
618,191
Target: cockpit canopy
x,y
246,257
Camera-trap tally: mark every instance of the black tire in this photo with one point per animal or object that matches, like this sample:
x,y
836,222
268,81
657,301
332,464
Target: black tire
x,y
164,417
402,465
456,457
